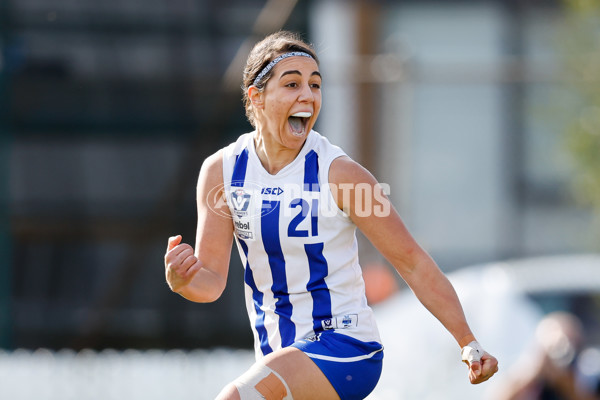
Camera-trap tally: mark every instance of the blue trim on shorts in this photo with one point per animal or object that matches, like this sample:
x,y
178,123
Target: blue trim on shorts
x,y
352,367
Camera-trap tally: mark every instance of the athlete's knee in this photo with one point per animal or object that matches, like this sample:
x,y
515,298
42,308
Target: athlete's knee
x,y
261,382
229,392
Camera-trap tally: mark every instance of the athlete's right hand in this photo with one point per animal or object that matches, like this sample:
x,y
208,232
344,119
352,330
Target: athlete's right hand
x,y
180,263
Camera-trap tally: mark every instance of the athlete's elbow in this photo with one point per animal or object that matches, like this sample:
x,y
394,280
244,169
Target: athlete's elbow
x,y
204,299
205,292
406,262
414,265
211,296
200,296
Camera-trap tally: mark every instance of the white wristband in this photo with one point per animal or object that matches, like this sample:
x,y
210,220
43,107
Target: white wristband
x,y
472,352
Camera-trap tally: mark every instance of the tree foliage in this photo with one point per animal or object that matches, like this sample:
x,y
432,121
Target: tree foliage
x,y
580,46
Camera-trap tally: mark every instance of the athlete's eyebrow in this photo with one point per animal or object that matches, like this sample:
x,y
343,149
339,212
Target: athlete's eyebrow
x,y
296,72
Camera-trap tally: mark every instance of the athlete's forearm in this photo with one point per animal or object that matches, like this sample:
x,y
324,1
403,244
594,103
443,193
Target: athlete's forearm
x,y
437,294
205,287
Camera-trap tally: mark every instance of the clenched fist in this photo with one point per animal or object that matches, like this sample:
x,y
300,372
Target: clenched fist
x,y
180,264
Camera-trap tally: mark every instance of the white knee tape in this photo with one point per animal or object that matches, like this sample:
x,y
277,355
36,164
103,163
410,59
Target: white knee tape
x,y
250,385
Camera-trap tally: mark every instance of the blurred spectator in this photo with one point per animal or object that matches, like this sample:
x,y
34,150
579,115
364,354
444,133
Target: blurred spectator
x,y
380,283
557,368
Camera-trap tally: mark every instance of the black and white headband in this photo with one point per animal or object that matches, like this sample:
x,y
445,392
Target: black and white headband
x,y
270,65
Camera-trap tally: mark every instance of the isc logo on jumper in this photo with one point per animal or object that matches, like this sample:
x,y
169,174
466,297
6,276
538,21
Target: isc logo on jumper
x,y
240,201
275,191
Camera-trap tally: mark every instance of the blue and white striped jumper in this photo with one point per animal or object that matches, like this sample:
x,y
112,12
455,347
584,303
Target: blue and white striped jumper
x,y
299,250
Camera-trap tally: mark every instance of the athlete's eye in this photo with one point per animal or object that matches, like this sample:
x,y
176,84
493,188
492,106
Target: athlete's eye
x,y
292,85
316,86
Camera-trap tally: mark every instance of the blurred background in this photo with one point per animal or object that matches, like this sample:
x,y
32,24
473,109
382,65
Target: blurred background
x,y
482,116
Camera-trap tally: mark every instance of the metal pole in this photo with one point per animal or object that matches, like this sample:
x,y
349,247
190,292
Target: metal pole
x,y
367,23
512,227
5,147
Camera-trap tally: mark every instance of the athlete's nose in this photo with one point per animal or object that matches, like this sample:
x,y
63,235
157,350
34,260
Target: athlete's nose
x,y
306,95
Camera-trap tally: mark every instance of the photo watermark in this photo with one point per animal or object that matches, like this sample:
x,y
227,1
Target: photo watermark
x,y
250,200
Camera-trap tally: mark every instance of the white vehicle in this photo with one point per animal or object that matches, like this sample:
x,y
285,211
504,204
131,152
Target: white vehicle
x,y
503,302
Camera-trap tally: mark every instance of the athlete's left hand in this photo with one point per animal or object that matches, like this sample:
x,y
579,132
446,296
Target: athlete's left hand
x,y
481,371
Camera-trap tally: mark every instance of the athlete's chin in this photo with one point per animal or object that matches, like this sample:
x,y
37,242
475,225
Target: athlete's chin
x,y
296,138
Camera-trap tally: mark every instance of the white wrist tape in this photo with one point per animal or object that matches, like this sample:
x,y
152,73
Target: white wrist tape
x,y
472,352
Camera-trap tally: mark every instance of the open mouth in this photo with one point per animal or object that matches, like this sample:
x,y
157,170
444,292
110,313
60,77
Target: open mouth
x,y
298,122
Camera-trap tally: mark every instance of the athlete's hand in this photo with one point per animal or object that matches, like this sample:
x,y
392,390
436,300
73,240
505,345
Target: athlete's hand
x,y
481,371
180,263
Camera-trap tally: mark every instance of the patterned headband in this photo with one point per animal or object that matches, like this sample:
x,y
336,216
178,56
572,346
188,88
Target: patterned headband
x,y
276,60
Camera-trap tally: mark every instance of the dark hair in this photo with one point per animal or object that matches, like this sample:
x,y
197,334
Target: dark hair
x,y
262,54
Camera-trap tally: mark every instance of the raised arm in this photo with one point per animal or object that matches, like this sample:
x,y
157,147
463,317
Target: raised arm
x,y
200,275
382,225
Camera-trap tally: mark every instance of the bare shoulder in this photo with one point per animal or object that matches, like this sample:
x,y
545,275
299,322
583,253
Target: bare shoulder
x,y
346,177
211,172
345,170
213,164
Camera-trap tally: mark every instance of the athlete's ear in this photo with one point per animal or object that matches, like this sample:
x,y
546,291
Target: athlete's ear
x,y
256,97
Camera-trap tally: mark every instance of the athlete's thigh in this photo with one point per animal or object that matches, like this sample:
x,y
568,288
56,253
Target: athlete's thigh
x,y
304,378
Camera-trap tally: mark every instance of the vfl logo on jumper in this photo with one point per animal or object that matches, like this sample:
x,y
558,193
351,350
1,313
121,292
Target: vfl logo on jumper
x,y
242,210
240,201
342,322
